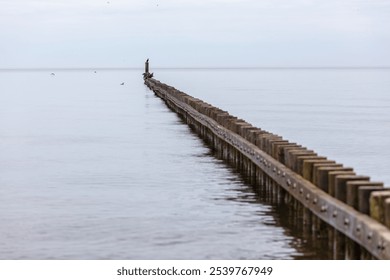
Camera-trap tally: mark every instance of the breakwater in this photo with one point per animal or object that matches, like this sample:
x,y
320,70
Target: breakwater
x,y
330,199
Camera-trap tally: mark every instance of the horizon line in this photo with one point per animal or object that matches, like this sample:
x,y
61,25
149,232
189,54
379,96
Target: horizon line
x,y
188,68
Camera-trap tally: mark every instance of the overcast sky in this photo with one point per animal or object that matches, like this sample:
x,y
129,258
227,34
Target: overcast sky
x,y
188,33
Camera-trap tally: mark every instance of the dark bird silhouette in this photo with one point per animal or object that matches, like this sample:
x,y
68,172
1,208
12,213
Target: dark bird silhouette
x,y
122,84
52,74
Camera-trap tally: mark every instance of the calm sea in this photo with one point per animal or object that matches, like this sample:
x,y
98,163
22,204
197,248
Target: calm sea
x,y
92,169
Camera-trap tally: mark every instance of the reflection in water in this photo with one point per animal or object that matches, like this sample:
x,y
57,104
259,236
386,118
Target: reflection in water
x,y
245,190
242,189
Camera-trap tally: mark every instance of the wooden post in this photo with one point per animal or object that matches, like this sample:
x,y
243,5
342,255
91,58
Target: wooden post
x,y
377,199
275,145
340,191
332,180
279,150
316,166
301,159
387,212
308,164
322,176
290,156
147,66
353,188
364,198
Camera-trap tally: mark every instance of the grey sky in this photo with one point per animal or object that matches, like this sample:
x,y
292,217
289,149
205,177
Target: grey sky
x,y
220,33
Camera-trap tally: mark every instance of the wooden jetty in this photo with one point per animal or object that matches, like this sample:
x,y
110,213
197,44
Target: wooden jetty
x,y
330,199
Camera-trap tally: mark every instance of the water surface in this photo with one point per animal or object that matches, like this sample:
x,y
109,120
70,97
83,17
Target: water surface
x,y
91,169
341,113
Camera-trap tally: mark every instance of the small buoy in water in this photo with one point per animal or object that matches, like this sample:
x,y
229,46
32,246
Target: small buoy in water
x,y
122,84
52,74
94,71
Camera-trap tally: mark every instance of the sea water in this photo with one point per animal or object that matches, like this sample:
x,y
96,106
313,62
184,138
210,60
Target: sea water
x,y
91,168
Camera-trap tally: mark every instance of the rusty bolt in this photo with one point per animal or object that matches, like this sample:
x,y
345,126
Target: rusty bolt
x,y
381,246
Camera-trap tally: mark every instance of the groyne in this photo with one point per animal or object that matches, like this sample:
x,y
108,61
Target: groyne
x,y
331,200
